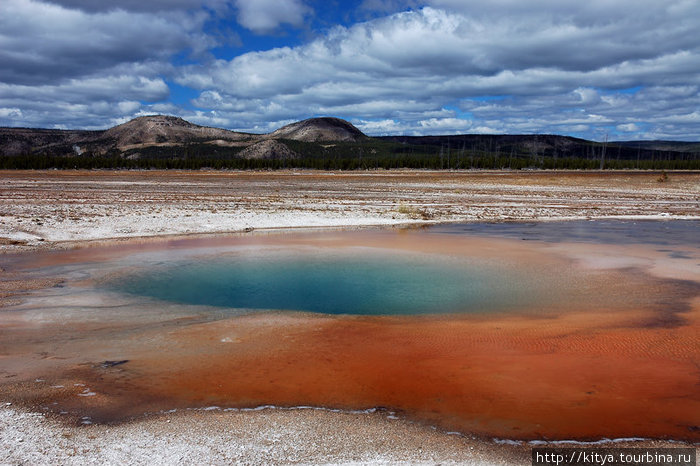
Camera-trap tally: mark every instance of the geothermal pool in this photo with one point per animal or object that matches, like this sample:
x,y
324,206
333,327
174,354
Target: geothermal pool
x,y
361,282
572,330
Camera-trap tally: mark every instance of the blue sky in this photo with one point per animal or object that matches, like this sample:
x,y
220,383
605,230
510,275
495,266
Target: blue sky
x,y
623,70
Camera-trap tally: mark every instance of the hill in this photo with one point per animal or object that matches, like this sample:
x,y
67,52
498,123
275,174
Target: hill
x,y
327,143
161,129
319,130
139,133
19,141
144,135
546,149
673,146
268,149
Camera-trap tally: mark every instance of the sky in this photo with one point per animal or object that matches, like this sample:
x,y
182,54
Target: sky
x,y
596,69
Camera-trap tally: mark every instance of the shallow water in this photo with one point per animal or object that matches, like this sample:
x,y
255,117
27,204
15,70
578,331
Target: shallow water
x,y
366,282
472,332
650,232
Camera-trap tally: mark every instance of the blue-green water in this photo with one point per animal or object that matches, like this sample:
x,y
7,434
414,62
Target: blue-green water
x,y
364,284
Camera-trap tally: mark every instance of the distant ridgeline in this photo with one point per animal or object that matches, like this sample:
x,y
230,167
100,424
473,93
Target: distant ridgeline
x,y
322,143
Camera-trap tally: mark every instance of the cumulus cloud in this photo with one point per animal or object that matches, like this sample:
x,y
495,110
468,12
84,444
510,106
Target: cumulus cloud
x,y
94,102
263,16
92,88
628,127
141,5
42,43
575,64
457,54
588,69
651,113
437,125
70,67
10,112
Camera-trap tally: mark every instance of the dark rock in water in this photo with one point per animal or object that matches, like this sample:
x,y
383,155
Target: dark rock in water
x,y
108,364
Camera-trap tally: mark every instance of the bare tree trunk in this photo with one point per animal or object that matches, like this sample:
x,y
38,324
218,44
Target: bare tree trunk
x,y
602,152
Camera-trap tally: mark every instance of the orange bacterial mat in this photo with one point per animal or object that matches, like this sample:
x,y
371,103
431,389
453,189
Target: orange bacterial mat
x,y
610,350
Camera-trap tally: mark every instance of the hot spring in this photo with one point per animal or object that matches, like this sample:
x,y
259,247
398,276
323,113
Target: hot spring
x,y
572,330
364,283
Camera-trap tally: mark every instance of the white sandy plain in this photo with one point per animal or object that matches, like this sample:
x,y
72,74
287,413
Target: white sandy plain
x,y
268,436
52,207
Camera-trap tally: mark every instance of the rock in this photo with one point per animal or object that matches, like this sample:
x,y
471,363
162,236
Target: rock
x,y
108,364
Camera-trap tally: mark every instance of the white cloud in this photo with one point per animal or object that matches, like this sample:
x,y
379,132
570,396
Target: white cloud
x,y
141,5
382,127
562,67
587,68
628,127
10,112
444,125
43,43
441,126
263,16
93,102
109,88
67,67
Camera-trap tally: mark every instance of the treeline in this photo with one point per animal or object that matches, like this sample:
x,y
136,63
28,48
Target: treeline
x,y
362,160
464,152
548,146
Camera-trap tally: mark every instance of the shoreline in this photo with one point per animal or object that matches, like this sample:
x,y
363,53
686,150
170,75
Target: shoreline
x,y
305,435
272,436
45,246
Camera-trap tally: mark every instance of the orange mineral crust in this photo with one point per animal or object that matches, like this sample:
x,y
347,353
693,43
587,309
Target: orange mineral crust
x,y
580,376
619,357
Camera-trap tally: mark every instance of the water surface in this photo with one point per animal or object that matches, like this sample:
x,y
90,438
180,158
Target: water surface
x,y
651,232
368,282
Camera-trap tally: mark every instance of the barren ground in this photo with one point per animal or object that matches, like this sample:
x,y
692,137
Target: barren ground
x,y
57,206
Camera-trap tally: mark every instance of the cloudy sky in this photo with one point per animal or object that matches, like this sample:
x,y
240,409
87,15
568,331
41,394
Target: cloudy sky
x,y
628,69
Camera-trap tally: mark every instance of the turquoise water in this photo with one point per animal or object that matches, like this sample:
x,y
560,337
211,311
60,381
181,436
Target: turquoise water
x,y
366,284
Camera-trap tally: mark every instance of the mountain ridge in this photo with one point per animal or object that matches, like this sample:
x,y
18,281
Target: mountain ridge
x,y
322,142
165,130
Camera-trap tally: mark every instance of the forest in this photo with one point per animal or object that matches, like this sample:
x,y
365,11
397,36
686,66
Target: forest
x,y
428,152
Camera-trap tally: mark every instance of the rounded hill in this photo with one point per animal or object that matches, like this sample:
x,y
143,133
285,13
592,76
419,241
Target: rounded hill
x,y
324,129
165,130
